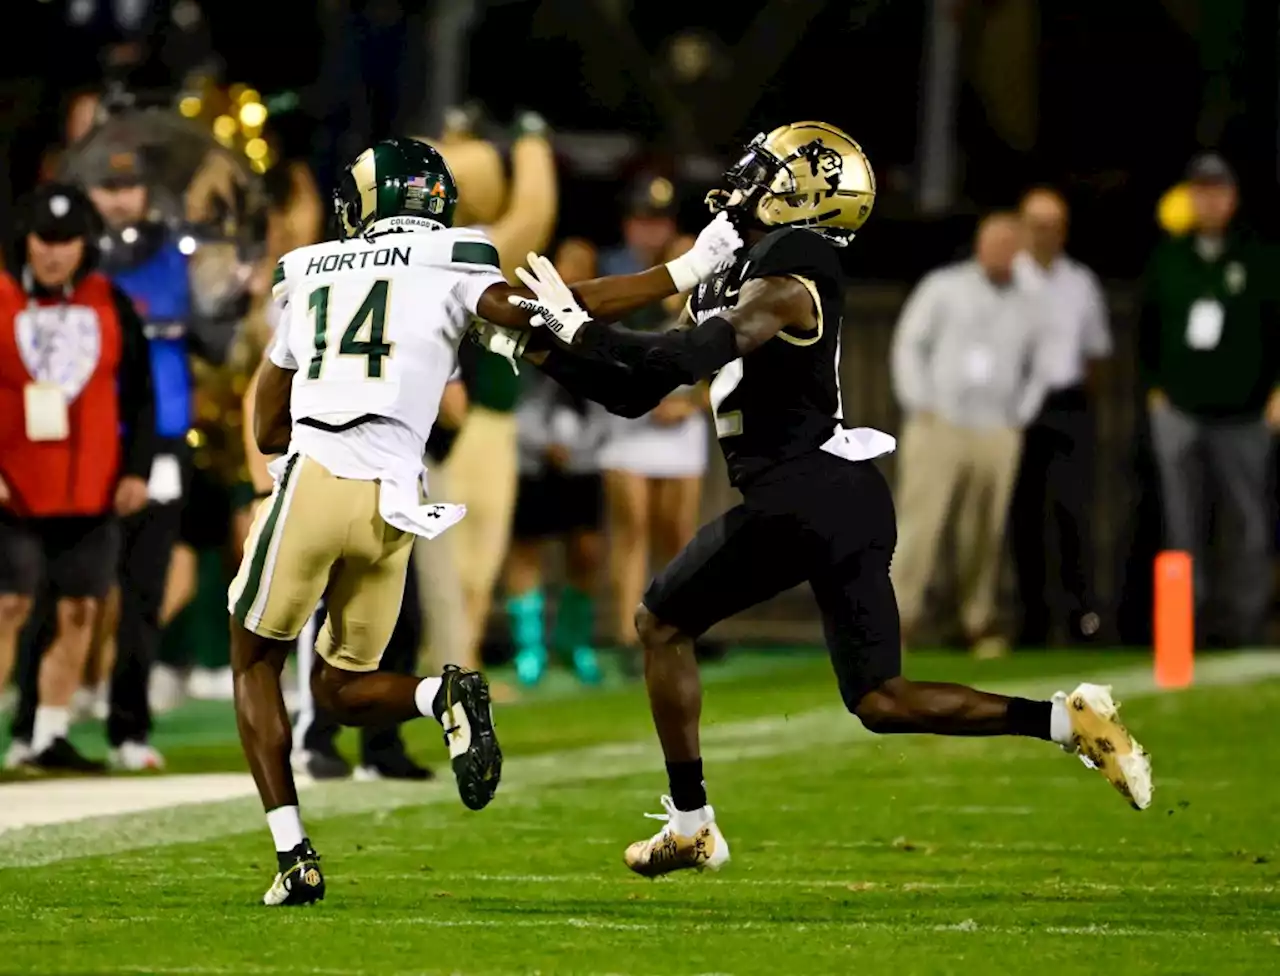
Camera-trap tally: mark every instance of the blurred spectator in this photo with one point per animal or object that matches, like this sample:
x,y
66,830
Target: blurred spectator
x,y
481,469
1210,346
150,42
144,260
295,213
73,372
969,368
81,115
435,560
559,498
653,465
1050,520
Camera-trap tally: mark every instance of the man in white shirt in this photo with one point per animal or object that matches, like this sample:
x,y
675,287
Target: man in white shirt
x,y
1053,499
970,372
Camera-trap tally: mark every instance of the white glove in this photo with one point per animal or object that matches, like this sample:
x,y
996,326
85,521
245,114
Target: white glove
x,y
712,252
507,343
553,303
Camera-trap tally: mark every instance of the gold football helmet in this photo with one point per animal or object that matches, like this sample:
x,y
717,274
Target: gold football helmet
x,y
806,174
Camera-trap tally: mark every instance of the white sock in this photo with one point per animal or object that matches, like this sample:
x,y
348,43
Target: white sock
x,y
51,723
425,695
286,828
686,823
1060,721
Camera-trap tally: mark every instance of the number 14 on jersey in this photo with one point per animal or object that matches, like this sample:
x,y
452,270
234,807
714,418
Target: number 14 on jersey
x,y
372,312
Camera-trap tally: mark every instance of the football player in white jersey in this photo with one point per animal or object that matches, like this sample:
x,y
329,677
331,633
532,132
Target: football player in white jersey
x,y
367,339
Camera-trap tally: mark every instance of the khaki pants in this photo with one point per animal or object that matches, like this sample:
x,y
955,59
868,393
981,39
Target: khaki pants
x,y
482,475
439,588
966,475
322,536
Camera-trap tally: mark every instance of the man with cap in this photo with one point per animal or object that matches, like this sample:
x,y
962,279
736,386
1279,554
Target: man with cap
x,y
147,261
1210,362
74,375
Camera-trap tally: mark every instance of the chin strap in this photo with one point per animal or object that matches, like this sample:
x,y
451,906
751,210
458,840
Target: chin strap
x,y
835,236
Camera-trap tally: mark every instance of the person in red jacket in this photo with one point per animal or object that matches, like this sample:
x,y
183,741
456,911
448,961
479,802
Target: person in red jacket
x,y
75,444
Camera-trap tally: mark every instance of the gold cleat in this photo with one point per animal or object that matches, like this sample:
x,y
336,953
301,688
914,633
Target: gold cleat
x,y
1103,743
704,848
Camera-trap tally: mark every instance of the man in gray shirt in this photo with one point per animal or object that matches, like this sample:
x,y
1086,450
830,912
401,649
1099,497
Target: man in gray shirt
x,y
970,370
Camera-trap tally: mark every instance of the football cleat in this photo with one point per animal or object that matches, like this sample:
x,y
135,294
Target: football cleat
x,y
463,709
391,764
690,839
63,757
1104,744
299,881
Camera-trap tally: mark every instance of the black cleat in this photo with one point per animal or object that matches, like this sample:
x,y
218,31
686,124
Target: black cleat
x,y
62,757
323,762
392,765
462,707
299,880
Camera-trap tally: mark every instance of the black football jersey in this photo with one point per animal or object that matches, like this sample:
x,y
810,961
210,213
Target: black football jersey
x,y
783,399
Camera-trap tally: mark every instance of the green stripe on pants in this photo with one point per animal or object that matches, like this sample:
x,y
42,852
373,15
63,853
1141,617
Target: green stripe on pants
x,y
252,584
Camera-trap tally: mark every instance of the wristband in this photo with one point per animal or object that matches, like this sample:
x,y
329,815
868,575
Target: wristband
x,y
683,273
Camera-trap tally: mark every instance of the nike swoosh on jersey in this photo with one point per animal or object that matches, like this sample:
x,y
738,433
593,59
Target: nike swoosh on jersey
x,y
732,293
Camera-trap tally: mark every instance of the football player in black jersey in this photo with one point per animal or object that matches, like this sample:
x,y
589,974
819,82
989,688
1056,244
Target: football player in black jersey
x,y
815,508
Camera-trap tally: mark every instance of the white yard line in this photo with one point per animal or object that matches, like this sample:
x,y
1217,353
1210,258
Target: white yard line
x,y
46,822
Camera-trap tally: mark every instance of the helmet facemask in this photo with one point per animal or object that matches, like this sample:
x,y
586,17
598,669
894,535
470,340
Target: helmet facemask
x,y
746,181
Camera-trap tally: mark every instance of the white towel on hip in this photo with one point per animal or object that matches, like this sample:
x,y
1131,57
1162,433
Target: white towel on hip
x,y
399,500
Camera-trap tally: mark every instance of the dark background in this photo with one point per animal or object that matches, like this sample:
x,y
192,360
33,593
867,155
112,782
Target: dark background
x,y
1106,100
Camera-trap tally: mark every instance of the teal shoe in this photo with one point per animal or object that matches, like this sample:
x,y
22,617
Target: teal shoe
x,y
586,665
531,665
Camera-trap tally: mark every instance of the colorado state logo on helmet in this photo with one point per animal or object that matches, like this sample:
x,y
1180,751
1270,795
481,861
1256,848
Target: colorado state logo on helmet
x,y
396,178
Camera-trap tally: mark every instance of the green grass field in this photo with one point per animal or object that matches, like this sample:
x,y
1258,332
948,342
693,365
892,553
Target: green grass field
x,y
850,854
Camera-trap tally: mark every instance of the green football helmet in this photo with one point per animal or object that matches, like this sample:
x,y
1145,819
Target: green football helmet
x,y
395,178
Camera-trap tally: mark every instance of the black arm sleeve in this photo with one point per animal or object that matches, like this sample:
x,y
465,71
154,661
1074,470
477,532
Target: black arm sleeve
x,y
678,358
616,387
137,401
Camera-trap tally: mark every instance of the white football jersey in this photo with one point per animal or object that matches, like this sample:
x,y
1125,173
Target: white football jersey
x,y
372,324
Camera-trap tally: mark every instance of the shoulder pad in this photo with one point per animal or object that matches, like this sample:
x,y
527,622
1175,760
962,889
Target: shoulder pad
x,y
793,250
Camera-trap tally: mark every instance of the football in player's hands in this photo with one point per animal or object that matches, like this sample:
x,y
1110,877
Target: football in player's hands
x,y
712,252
